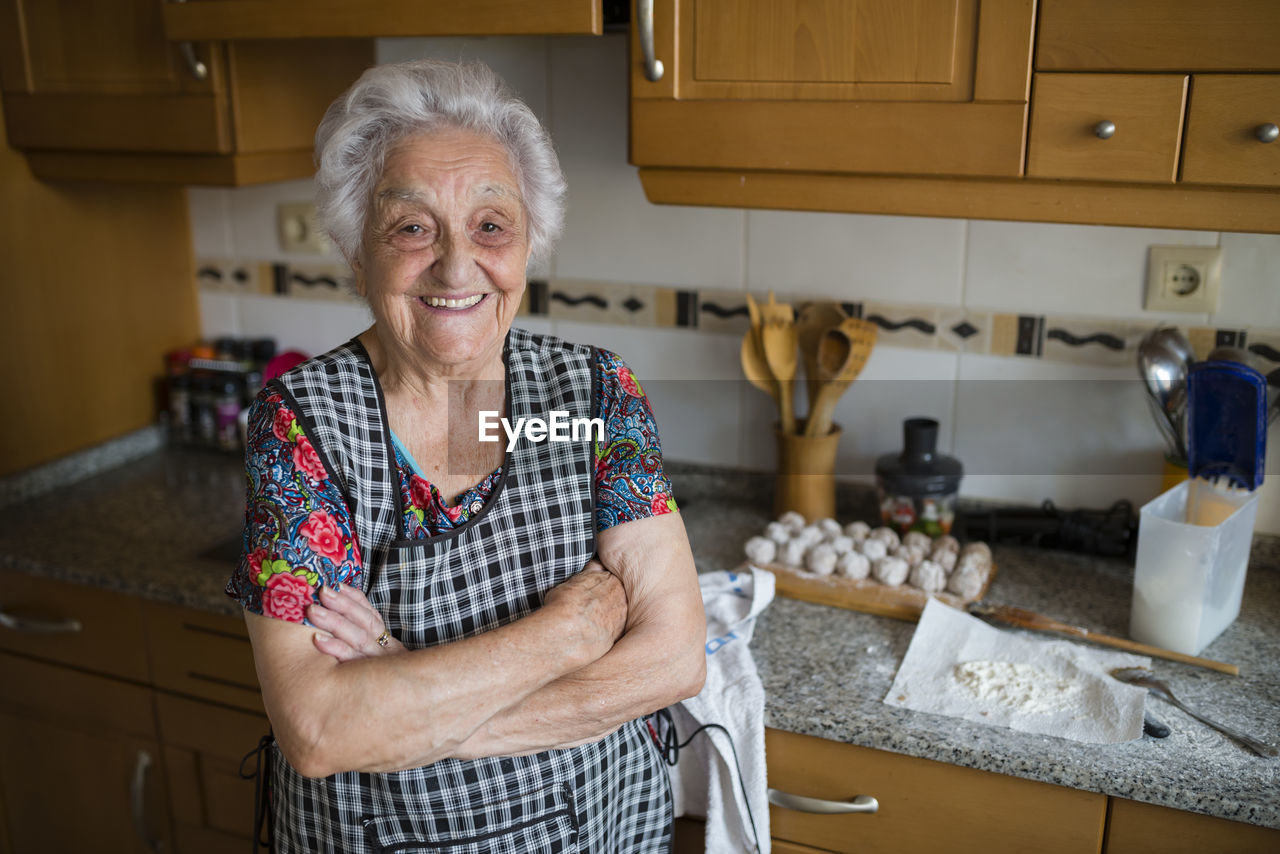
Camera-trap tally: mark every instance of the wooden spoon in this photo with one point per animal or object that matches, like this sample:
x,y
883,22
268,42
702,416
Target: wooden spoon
x,y
814,319
842,352
778,341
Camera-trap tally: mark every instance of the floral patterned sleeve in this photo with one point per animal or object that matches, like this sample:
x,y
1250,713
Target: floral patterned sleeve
x,y
298,531
630,483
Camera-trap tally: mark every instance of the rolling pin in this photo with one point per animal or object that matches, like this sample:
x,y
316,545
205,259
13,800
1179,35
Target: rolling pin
x,y
1024,619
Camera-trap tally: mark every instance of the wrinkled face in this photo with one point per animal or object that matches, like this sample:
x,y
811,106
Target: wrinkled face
x,y
445,249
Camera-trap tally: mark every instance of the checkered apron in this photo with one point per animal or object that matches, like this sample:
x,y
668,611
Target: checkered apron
x,y
536,530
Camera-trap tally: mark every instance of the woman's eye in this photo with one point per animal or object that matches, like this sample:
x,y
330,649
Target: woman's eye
x,y
413,229
490,228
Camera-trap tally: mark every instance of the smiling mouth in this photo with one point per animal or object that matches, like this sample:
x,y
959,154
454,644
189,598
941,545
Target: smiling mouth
x,y
446,303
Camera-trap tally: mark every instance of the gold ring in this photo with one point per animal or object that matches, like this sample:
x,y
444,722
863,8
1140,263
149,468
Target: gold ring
x,y
384,638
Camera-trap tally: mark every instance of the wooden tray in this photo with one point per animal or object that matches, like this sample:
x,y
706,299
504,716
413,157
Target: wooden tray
x,y
872,597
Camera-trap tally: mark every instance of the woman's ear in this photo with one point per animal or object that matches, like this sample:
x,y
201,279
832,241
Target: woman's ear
x,y
357,270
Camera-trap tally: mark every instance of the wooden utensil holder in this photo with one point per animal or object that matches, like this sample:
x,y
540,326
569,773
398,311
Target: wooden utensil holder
x,y
806,473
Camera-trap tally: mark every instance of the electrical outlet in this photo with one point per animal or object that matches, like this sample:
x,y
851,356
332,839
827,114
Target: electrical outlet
x,y
1184,278
298,231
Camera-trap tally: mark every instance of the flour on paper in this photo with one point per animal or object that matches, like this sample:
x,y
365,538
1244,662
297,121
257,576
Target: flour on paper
x,y
1021,687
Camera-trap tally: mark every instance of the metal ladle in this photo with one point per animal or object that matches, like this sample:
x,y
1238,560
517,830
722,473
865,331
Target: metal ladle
x,y
1164,358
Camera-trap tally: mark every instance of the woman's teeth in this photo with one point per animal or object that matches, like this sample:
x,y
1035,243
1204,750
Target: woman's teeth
x,y
441,302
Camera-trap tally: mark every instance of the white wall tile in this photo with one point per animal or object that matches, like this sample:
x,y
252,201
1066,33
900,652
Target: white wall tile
x,y
612,232
1250,294
219,314
856,257
209,212
1027,430
254,228
1041,268
309,326
693,381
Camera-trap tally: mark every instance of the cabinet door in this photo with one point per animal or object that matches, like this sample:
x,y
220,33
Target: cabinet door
x,y
80,765
870,86
1231,125
100,76
1137,828
280,19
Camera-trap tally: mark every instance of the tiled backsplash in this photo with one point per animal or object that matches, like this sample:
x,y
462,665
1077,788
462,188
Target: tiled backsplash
x,y
1018,337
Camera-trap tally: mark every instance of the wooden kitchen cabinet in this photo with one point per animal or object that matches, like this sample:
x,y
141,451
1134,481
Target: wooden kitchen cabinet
x,y
861,86
1229,138
79,761
924,805
280,19
1137,828
96,92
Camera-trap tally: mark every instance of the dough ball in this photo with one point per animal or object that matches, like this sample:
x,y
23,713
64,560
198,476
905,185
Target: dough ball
x,y
974,560
874,549
853,565
841,544
792,520
928,576
792,553
890,571
761,550
944,558
857,530
777,532
811,535
918,540
830,527
821,559
977,548
966,581
911,554
947,542
886,535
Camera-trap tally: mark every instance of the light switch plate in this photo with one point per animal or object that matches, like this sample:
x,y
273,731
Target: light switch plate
x,y
298,231
1184,278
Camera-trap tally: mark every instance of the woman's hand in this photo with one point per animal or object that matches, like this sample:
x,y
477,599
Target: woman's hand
x,y
595,602
353,626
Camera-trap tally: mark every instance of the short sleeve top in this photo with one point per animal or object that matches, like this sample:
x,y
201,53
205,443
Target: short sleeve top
x,y
299,532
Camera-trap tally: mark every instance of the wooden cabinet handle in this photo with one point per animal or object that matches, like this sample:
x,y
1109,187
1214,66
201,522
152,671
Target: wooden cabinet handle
x,y
800,803
138,801
70,625
644,20
1268,132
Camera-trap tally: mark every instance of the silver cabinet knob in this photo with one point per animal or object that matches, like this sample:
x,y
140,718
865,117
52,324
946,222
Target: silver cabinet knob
x,y
1267,132
1104,129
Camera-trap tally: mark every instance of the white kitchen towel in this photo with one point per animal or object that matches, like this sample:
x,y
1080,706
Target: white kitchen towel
x,y
705,781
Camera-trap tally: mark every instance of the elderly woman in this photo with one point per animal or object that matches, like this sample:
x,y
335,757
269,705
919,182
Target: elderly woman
x,y
457,642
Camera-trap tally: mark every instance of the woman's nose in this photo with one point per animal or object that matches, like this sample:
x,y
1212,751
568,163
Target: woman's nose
x,y
455,261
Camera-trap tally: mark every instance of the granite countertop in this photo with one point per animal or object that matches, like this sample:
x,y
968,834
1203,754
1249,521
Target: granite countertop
x,y
163,523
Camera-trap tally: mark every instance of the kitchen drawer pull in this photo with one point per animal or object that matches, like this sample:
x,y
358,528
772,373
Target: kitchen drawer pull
x,y
1268,132
1104,129
138,801
70,625
799,803
198,69
644,20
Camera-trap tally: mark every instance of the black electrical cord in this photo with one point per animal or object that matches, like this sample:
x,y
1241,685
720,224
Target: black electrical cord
x,y
261,792
670,745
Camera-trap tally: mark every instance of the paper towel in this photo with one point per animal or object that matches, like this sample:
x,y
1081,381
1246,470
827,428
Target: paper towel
x,y
1068,691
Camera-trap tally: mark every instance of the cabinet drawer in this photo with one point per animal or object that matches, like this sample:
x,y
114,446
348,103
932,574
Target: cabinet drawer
x,y
1146,110
72,624
1135,828
924,805
202,655
1224,118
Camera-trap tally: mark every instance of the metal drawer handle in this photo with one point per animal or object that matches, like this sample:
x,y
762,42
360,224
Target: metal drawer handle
x,y
1267,133
198,69
70,625
1104,129
138,798
644,19
786,800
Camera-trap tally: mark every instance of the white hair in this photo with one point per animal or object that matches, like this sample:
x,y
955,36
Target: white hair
x,y
390,102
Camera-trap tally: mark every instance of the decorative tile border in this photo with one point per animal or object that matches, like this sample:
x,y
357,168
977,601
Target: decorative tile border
x,y
1057,338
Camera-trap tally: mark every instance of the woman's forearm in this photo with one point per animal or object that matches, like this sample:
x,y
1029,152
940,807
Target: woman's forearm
x,y
400,711
647,669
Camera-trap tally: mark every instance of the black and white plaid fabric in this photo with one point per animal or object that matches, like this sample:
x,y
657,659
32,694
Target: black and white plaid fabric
x,y
537,529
